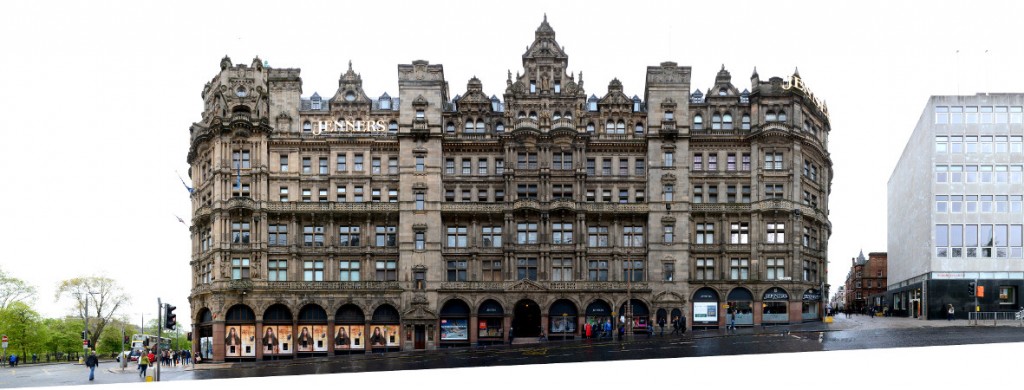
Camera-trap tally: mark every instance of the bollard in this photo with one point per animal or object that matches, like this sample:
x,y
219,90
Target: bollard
x,y
149,378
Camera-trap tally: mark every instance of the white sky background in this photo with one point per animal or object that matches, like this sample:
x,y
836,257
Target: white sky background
x,y
97,97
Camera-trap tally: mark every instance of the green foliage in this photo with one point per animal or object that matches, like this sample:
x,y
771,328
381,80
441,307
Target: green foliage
x,y
102,297
64,335
21,324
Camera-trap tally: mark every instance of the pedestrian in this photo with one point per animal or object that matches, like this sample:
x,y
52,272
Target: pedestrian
x,y
675,325
732,320
588,330
608,328
622,331
661,324
92,362
682,324
143,364
13,359
949,312
511,334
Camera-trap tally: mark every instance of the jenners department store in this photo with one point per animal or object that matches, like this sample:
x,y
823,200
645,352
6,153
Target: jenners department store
x,y
351,224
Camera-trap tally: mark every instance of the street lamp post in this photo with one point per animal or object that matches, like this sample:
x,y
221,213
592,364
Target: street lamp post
x,y
85,327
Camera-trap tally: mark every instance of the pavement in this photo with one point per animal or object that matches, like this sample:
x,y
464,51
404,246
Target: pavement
x,y
839,323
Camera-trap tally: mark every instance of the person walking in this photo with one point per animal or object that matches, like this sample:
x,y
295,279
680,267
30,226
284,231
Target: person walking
x,y
732,320
949,312
661,324
92,362
143,364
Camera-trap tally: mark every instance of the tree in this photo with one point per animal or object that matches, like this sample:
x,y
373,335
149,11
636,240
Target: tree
x,y
64,335
13,289
102,296
21,324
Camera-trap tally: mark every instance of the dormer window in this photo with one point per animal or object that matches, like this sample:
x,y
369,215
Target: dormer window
x,y
636,104
592,105
315,104
722,92
350,96
385,103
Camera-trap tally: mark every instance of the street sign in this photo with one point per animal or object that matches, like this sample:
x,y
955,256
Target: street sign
x,y
85,343
4,339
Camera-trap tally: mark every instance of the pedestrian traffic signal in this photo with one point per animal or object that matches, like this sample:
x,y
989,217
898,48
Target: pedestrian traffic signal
x,y
170,319
971,288
84,336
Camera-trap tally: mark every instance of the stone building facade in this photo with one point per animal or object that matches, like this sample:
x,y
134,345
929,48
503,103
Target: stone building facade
x,y
351,223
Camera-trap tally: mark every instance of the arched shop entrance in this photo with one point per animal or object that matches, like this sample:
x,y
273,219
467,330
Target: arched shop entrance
x,y
705,308
491,322
312,335
661,318
240,334
641,316
775,306
205,333
598,313
384,327
811,308
741,302
677,314
562,320
277,341
349,330
526,319
454,324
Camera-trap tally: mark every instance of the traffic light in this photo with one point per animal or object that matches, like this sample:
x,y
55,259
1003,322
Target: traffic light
x,y
170,319
126,340
189,337
971,286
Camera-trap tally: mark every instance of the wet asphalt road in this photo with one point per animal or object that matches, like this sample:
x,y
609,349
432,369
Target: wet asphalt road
x,y
711,343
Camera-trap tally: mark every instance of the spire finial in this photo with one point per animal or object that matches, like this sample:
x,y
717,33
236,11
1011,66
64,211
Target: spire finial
x,y
349,64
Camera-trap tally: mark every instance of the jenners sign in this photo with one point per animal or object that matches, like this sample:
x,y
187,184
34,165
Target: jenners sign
x,y
349,126
795,82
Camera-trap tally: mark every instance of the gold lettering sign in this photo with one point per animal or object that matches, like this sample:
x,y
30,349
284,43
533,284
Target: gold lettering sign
x,y
350,126
795,82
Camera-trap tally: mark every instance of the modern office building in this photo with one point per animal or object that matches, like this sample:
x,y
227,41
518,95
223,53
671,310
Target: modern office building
x,y
954,210
349,222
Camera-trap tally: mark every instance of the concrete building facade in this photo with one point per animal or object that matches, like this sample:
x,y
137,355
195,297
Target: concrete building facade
x,y
954,208
351,223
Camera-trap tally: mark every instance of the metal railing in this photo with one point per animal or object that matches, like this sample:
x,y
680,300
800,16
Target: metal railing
x,y
995,317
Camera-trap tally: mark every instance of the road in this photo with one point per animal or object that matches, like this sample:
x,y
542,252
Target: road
x,y
845,334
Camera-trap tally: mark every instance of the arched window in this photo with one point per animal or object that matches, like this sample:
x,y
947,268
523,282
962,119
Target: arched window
x,y
698,122
620,128
609,127
469,126
716,121
556,116
480,126
567,115
746,122
723,92
590,128
521,115
306,126
639,130
782,116
769,116
533,115
449,128
727,121
499,127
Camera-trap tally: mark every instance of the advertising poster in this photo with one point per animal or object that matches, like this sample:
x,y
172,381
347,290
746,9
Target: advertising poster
x,y
391,335
455,329
232,341
564,324
342,340
357,333
304,342
270,342
377,336
319,338
248,340
285,341
705,311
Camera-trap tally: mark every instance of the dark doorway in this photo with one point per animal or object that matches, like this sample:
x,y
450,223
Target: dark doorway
x,y
526,319
421,337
